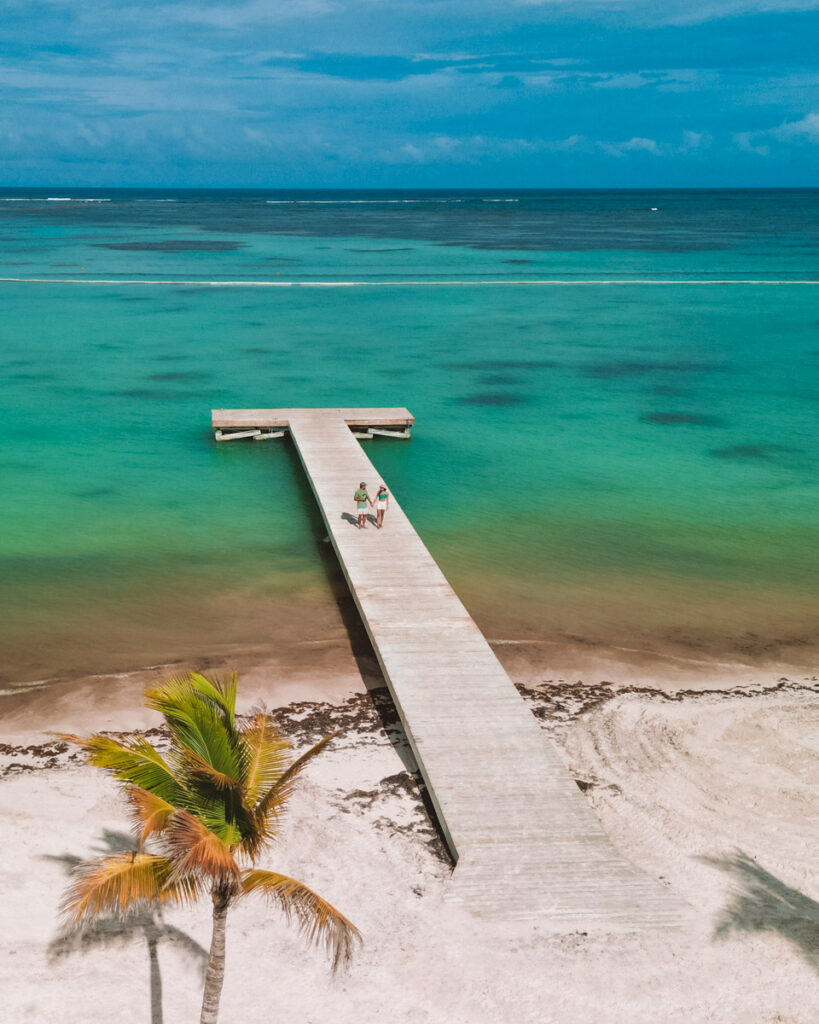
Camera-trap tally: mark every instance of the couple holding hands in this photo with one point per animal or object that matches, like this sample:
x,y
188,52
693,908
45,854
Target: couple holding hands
x,y
362,500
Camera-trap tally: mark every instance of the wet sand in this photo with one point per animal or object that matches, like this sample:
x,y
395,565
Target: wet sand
x,y
542,628
329,656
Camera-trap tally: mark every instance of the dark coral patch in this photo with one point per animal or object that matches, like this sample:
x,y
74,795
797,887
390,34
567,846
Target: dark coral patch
x,y
501,364
495,398
94,493
752,452
504,379
37,377
635,368
671,419
155,394
180,375
173,245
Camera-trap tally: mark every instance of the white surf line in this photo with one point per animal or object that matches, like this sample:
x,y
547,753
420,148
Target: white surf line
x,y
550,282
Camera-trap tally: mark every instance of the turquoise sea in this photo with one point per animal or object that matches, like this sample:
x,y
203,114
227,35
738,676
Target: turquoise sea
x,y
616,398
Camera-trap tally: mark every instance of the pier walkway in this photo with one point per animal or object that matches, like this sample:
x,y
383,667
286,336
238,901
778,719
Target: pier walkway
x,y
526,842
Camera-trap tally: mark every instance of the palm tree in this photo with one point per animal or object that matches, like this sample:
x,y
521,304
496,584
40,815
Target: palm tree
x,y
208,807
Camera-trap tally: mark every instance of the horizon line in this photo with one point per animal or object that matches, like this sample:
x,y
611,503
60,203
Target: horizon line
x,y
412,188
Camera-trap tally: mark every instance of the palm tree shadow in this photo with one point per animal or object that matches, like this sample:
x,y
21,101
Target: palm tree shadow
x,y
761,902
110,930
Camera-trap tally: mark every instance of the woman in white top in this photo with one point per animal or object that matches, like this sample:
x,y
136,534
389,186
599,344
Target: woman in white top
x,y
382,503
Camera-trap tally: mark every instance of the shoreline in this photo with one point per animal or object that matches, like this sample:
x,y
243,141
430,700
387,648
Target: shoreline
x,y
312,624
343,664
671,627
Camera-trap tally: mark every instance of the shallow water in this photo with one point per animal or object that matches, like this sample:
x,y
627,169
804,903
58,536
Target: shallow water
x,y
623,464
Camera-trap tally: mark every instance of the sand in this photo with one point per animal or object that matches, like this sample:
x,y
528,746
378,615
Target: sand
x,y
704,775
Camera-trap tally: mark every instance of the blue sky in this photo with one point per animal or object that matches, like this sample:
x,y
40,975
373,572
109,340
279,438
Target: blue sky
x,y
414,93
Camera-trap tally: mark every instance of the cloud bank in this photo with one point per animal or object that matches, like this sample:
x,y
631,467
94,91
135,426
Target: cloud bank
x,y
411,92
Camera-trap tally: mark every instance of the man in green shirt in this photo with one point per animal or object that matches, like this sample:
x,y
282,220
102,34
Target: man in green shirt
x,y
362,501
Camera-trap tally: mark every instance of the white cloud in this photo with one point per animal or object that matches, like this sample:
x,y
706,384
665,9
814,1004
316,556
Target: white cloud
x,y
805,130
694,140
746,142
246,15
412,152
567,145
636,144
560,62
676,11
260,56
445,58
451,149
628,80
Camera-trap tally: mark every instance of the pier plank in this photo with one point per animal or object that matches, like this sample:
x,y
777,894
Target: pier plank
x,y
526,842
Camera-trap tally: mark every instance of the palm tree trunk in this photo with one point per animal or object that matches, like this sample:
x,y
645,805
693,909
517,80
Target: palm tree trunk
x,y
156,978
215,973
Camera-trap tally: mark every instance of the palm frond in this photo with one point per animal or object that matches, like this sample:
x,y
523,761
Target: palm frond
x,y
122,882
221,692
195,765
135,761
194,849
319,921
223,813
272,803
265,755
149,811
201,720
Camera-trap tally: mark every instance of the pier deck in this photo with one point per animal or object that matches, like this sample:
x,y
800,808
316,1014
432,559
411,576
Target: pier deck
x,y
526,842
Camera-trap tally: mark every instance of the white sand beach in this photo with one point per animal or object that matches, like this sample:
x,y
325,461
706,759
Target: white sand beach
x,y
703,777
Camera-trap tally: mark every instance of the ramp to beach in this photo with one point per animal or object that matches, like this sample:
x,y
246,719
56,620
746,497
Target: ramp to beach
x,y
526,842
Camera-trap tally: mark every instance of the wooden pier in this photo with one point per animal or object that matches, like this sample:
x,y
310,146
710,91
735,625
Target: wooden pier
x,y
526,842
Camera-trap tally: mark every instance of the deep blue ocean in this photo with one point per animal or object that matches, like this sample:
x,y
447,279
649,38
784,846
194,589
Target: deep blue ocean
x,y
616,399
